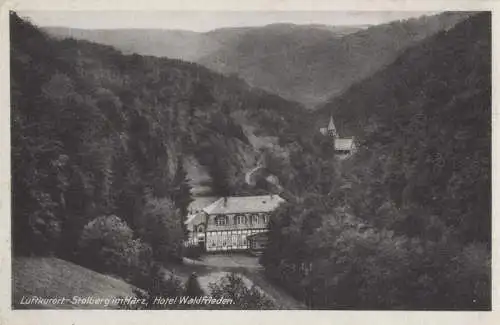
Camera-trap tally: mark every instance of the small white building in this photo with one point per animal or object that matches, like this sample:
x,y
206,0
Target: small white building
x,y
344,147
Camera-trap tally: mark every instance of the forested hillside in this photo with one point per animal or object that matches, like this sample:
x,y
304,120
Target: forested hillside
x,y
310,67
308,64
406,222
98,141
428,118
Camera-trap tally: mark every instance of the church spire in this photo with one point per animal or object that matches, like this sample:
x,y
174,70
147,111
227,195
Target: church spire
x,y
331,128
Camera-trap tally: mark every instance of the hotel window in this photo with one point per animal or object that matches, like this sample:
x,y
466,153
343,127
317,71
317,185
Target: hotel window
x,y
221,220
255,219
241,220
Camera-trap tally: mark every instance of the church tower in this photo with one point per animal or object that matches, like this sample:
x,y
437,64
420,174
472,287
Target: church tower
x,y
344,147
332,131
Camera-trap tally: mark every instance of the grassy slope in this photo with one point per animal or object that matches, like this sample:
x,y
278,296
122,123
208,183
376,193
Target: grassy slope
x,y
52,277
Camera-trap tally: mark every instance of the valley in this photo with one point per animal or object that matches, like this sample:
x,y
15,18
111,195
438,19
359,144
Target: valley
x,y
308,64
283,166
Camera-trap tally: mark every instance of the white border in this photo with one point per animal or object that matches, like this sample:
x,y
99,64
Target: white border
x,y
7,316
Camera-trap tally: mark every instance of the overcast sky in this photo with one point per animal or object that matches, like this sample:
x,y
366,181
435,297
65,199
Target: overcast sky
x,y
208,20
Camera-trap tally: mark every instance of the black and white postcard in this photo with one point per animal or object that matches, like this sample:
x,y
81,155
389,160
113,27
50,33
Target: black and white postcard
x,y
270,158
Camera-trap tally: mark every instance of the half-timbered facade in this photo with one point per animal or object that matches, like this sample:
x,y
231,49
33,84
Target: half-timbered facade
x,y
226,223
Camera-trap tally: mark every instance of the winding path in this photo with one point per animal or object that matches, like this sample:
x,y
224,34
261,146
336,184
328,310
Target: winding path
x,y
214,266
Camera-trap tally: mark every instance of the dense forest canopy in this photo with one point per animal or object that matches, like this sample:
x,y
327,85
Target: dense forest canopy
x,y
406,222
95,132
309,66
427,120
99,139
304,63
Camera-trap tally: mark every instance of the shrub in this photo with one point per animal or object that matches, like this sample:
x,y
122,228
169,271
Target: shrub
x,y
140,261
107,245
233,287
160,285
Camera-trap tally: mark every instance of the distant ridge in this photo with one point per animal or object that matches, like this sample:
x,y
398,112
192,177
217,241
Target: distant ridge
x,y
304,63
310,65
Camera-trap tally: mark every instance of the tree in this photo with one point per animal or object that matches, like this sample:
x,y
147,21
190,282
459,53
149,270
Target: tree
x,y
181,195
160,227
193,288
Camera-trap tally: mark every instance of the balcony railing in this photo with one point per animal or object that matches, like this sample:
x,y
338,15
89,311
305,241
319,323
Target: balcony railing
x,y
232,226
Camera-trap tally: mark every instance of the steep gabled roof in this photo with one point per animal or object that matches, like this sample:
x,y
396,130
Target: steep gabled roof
x,y
201,202
194,218
195,209
244,204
